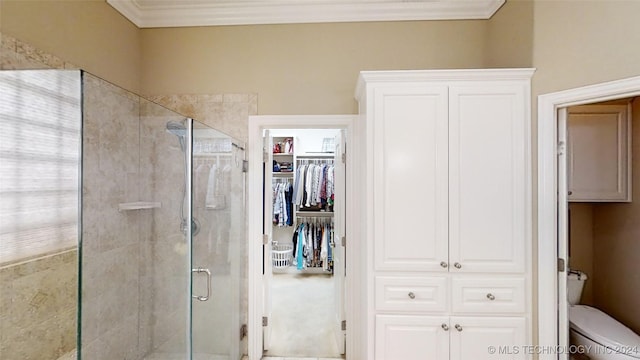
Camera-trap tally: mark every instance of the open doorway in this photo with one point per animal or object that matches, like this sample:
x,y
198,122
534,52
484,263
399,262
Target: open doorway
x,y
298,272
304,264
561,213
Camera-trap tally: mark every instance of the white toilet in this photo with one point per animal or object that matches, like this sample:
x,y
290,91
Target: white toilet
x,y
601,336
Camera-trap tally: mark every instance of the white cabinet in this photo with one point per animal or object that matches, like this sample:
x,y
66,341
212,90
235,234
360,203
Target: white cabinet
x,y
411,294
493,338
450,176
411,337
456,338
488,176
449,156
410,177
488,295
598,156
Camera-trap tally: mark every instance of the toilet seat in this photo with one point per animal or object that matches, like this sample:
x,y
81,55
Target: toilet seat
x,y
603,329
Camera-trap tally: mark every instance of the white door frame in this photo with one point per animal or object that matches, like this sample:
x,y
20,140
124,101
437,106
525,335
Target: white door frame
x,y
548,105
256,126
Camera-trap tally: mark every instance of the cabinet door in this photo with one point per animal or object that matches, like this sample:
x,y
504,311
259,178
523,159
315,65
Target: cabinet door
x,y
598,153
412,337
410,177
489,161
488,338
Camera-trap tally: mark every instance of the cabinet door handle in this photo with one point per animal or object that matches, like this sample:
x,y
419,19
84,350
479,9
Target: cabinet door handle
x,y
458,327
444,264
445,327
412,295
490,296
570,192
457,265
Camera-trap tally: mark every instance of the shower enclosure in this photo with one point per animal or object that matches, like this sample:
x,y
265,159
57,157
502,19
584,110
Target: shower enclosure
x,y
161,228
154,287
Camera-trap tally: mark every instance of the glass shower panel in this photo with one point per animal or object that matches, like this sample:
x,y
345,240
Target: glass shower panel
x,y
135,258
164,152
218,211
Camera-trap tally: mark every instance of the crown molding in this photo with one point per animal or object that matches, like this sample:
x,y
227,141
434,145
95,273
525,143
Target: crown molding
x,y
183,13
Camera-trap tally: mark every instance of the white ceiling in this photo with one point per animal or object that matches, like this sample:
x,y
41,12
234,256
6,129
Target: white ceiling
x,y
175,13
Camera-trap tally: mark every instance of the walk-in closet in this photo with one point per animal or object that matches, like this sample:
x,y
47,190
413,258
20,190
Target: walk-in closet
x,y
304,261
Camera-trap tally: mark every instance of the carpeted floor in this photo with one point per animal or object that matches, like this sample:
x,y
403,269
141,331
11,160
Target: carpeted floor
x,y
302,316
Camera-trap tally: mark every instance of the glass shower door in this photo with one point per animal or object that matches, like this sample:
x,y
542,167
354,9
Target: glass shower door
x,y
218,217
135,254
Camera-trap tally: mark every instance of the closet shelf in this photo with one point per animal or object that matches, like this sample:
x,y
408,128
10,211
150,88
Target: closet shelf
x,y
311,155
138,205
302,213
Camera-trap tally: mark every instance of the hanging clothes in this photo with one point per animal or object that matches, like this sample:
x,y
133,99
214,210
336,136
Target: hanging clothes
x,y
312,241
314,187
282,204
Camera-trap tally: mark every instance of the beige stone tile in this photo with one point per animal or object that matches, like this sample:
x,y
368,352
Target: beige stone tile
x,y
71,355
206,98
90,318
41,296
70,66
92,350
121,341
242,98
46,340
170,331
33,54
253,104
6,296
7,44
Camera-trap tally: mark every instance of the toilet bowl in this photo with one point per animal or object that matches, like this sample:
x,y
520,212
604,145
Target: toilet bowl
x,y
598,335
601,336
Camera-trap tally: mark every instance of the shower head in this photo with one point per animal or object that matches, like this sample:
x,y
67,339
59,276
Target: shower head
x,y
179,130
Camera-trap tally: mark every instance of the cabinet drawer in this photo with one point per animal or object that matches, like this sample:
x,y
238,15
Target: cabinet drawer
x,y
488,295
408,294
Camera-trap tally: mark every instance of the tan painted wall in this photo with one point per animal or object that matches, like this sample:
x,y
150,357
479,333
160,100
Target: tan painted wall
x,y
88,33
302,68
581,245
578,43
510,36
617,248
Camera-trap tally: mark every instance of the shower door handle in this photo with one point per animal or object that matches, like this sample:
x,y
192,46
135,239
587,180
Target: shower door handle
x,y
208,274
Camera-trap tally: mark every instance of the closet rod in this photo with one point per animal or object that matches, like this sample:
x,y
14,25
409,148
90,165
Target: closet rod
x,y
317,219
322,155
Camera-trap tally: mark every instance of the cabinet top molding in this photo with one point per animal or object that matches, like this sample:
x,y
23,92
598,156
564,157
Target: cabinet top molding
x,y
394,76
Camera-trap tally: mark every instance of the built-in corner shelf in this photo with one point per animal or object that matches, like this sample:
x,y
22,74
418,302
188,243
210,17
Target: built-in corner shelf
x,y
138,205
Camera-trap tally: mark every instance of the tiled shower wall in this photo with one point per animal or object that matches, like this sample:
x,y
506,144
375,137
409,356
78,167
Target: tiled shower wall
x,y
114,324
228,113
57,273
37,297
38,307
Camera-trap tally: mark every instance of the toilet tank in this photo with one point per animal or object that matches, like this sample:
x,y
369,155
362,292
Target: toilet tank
x,y
575,284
